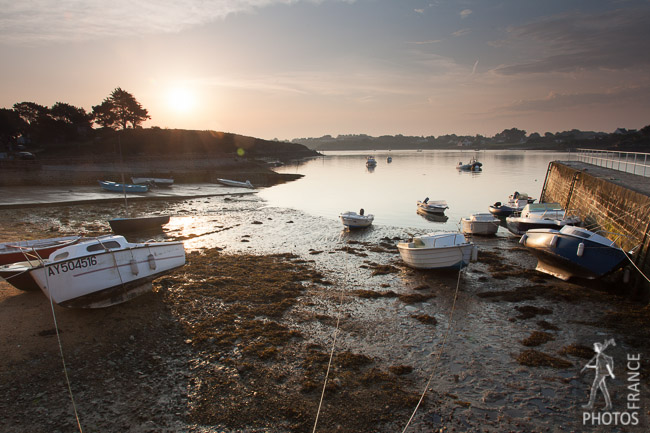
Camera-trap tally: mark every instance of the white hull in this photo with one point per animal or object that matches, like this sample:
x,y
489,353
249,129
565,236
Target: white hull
x,y
433,207
236,183
480,224
353,220
109,277
454,256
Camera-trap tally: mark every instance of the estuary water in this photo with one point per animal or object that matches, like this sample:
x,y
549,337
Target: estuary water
x,y
340,181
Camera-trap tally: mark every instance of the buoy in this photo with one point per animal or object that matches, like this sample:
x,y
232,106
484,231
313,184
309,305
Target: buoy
x,y
134,267
523,238
553,241
581,249
474,253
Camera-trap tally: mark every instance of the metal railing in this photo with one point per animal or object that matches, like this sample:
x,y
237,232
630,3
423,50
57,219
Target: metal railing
x,y
629,162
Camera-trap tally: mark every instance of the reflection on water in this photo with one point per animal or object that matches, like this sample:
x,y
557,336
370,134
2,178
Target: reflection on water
x,y
340,182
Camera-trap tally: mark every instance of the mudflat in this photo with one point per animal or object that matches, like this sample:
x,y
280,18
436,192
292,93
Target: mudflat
x,y
275,327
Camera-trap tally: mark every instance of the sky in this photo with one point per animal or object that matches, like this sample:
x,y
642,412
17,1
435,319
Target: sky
x,y
285,69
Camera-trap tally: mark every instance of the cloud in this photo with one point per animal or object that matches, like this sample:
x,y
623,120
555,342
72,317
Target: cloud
x,y
474,67
575,41
563,101
461,32
465,13
29,21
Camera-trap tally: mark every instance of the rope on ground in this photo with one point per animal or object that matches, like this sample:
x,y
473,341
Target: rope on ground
x,y
439,355
336,332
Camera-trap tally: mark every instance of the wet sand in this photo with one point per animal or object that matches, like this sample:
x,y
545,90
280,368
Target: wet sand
x,y
239,340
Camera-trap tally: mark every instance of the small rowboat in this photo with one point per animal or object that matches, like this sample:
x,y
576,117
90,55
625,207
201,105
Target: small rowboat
x,y
122,187
12,252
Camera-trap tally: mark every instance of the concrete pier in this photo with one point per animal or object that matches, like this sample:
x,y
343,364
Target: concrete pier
x,y
606,199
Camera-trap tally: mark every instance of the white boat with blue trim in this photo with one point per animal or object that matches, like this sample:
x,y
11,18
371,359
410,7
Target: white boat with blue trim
x,y
353,220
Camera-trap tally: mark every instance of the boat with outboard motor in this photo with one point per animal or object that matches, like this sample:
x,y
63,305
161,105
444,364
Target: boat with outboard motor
x,y
541,216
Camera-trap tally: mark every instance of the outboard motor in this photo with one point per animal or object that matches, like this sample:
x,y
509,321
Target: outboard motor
x,y
426,200
361,212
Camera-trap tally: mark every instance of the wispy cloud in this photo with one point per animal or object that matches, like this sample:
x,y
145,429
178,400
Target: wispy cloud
x,y
29,21
465,13
461,32
562,101
474,67
573,41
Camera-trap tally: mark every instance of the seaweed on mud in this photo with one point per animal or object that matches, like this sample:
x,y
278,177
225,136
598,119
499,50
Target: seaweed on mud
x,y
426,319
252,368
529,311
400,370
535,358
537,338
578,350
371,294
412,298
523,293
547,325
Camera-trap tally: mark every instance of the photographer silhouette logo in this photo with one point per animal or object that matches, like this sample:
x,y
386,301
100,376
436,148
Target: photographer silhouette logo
x,y
603,366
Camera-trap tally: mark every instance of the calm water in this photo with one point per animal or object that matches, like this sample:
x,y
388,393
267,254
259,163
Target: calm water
x,y
340,181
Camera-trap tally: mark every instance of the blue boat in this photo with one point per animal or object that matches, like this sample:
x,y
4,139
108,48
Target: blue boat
x,y
122,187
573,252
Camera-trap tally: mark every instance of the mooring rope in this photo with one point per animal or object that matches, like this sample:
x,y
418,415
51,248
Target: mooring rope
x,y
58,338
336,332
442,347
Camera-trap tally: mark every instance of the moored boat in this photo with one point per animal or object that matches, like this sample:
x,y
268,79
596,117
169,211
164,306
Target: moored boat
x,y
353,220
122,187
573,252
472,165
433,207
105,271
17,274
236,183
138,224
480,224
515,203
371,162
437,251
153,181
18,251
540,216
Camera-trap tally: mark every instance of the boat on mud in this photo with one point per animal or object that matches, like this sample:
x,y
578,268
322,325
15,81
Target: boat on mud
x,y
437,251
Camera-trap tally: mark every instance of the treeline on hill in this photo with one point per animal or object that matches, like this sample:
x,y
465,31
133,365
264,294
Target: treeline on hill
x,y
113,128
621,139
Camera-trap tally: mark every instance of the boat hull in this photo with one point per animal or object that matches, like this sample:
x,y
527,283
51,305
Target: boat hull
x,y
132,225
17,274
519,226
453,257
432,208
122,187
12,252
356,221
485,228
108,277
560,257
156,181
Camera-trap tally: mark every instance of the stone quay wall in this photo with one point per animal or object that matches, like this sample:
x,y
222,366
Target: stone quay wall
x,y
605,199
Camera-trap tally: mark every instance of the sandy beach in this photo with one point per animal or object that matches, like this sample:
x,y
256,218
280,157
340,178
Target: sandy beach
x,y
239,340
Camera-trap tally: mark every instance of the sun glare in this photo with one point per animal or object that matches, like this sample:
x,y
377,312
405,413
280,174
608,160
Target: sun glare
x,y
181,100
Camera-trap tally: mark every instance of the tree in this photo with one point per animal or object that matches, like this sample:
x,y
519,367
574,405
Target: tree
x,y
11,125
31,112
120,109
512,135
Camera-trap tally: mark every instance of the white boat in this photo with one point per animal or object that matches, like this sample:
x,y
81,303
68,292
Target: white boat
x,y
371,162
541,216
515,203
437,251
434,207
353,220
153,181
236,183
105,271
480,224
473,165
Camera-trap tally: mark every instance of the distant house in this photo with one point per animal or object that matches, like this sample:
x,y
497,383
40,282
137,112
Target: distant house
x,y
465,142
620,131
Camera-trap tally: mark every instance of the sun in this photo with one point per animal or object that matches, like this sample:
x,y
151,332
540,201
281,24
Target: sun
x,y
181,100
